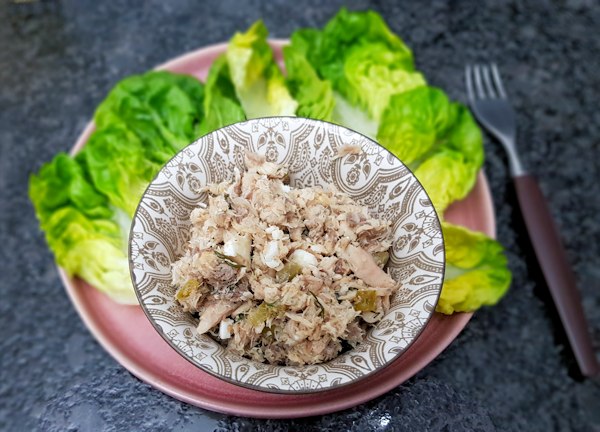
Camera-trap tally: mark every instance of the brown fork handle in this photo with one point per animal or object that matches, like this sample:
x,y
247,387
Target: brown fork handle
x,y
557,272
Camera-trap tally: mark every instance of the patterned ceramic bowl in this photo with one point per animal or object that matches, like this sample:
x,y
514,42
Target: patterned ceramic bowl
x,y
374,178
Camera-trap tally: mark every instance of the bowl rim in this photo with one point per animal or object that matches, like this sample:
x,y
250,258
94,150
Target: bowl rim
x,y
268,389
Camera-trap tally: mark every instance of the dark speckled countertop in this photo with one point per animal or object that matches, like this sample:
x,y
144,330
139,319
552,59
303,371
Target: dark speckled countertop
x,y
509,369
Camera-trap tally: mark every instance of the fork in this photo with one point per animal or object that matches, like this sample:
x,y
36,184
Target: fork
x,y
489,103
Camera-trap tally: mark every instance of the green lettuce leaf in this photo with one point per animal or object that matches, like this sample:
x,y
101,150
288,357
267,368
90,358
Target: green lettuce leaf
x,y
373,74
353,117
314,96
115,160
439,140
379,93
163,109
221,105
476,271
93,250
259,84
141,124
85,204
79,227
62,183
365,62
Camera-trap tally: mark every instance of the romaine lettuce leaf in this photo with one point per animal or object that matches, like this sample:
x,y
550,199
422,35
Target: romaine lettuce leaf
x,y
476,271
439,140
259,84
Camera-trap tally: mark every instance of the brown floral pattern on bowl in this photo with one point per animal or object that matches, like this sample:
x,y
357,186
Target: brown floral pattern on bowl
x,y
374,178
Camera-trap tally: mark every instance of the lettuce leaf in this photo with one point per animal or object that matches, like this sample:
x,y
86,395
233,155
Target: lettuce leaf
x,y
93,250
221,105
141,124
79,228
365,62
353,117
114,158
62,183
85,204
163,109
259,84
476,271
314,96
373,75
378,92
439,140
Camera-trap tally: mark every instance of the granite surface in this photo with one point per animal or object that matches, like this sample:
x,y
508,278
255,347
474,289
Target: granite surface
x,y
509,370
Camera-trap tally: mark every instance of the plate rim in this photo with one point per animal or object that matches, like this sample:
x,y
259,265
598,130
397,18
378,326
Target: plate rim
x,y
234,408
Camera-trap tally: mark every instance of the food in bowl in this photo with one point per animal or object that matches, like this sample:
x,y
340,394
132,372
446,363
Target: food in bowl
x,y
283,275
315,153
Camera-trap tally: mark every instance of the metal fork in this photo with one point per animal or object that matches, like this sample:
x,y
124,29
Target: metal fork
x,y
488,102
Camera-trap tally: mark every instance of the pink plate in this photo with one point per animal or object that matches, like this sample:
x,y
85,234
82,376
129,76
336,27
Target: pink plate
x,y
126,333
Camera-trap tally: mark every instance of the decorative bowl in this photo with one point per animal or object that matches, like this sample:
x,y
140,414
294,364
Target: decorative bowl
x,y
374,178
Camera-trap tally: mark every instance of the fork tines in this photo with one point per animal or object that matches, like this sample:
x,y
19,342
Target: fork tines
x,y
487,82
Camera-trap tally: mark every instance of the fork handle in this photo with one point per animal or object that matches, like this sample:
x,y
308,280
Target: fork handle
x,y
557,272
